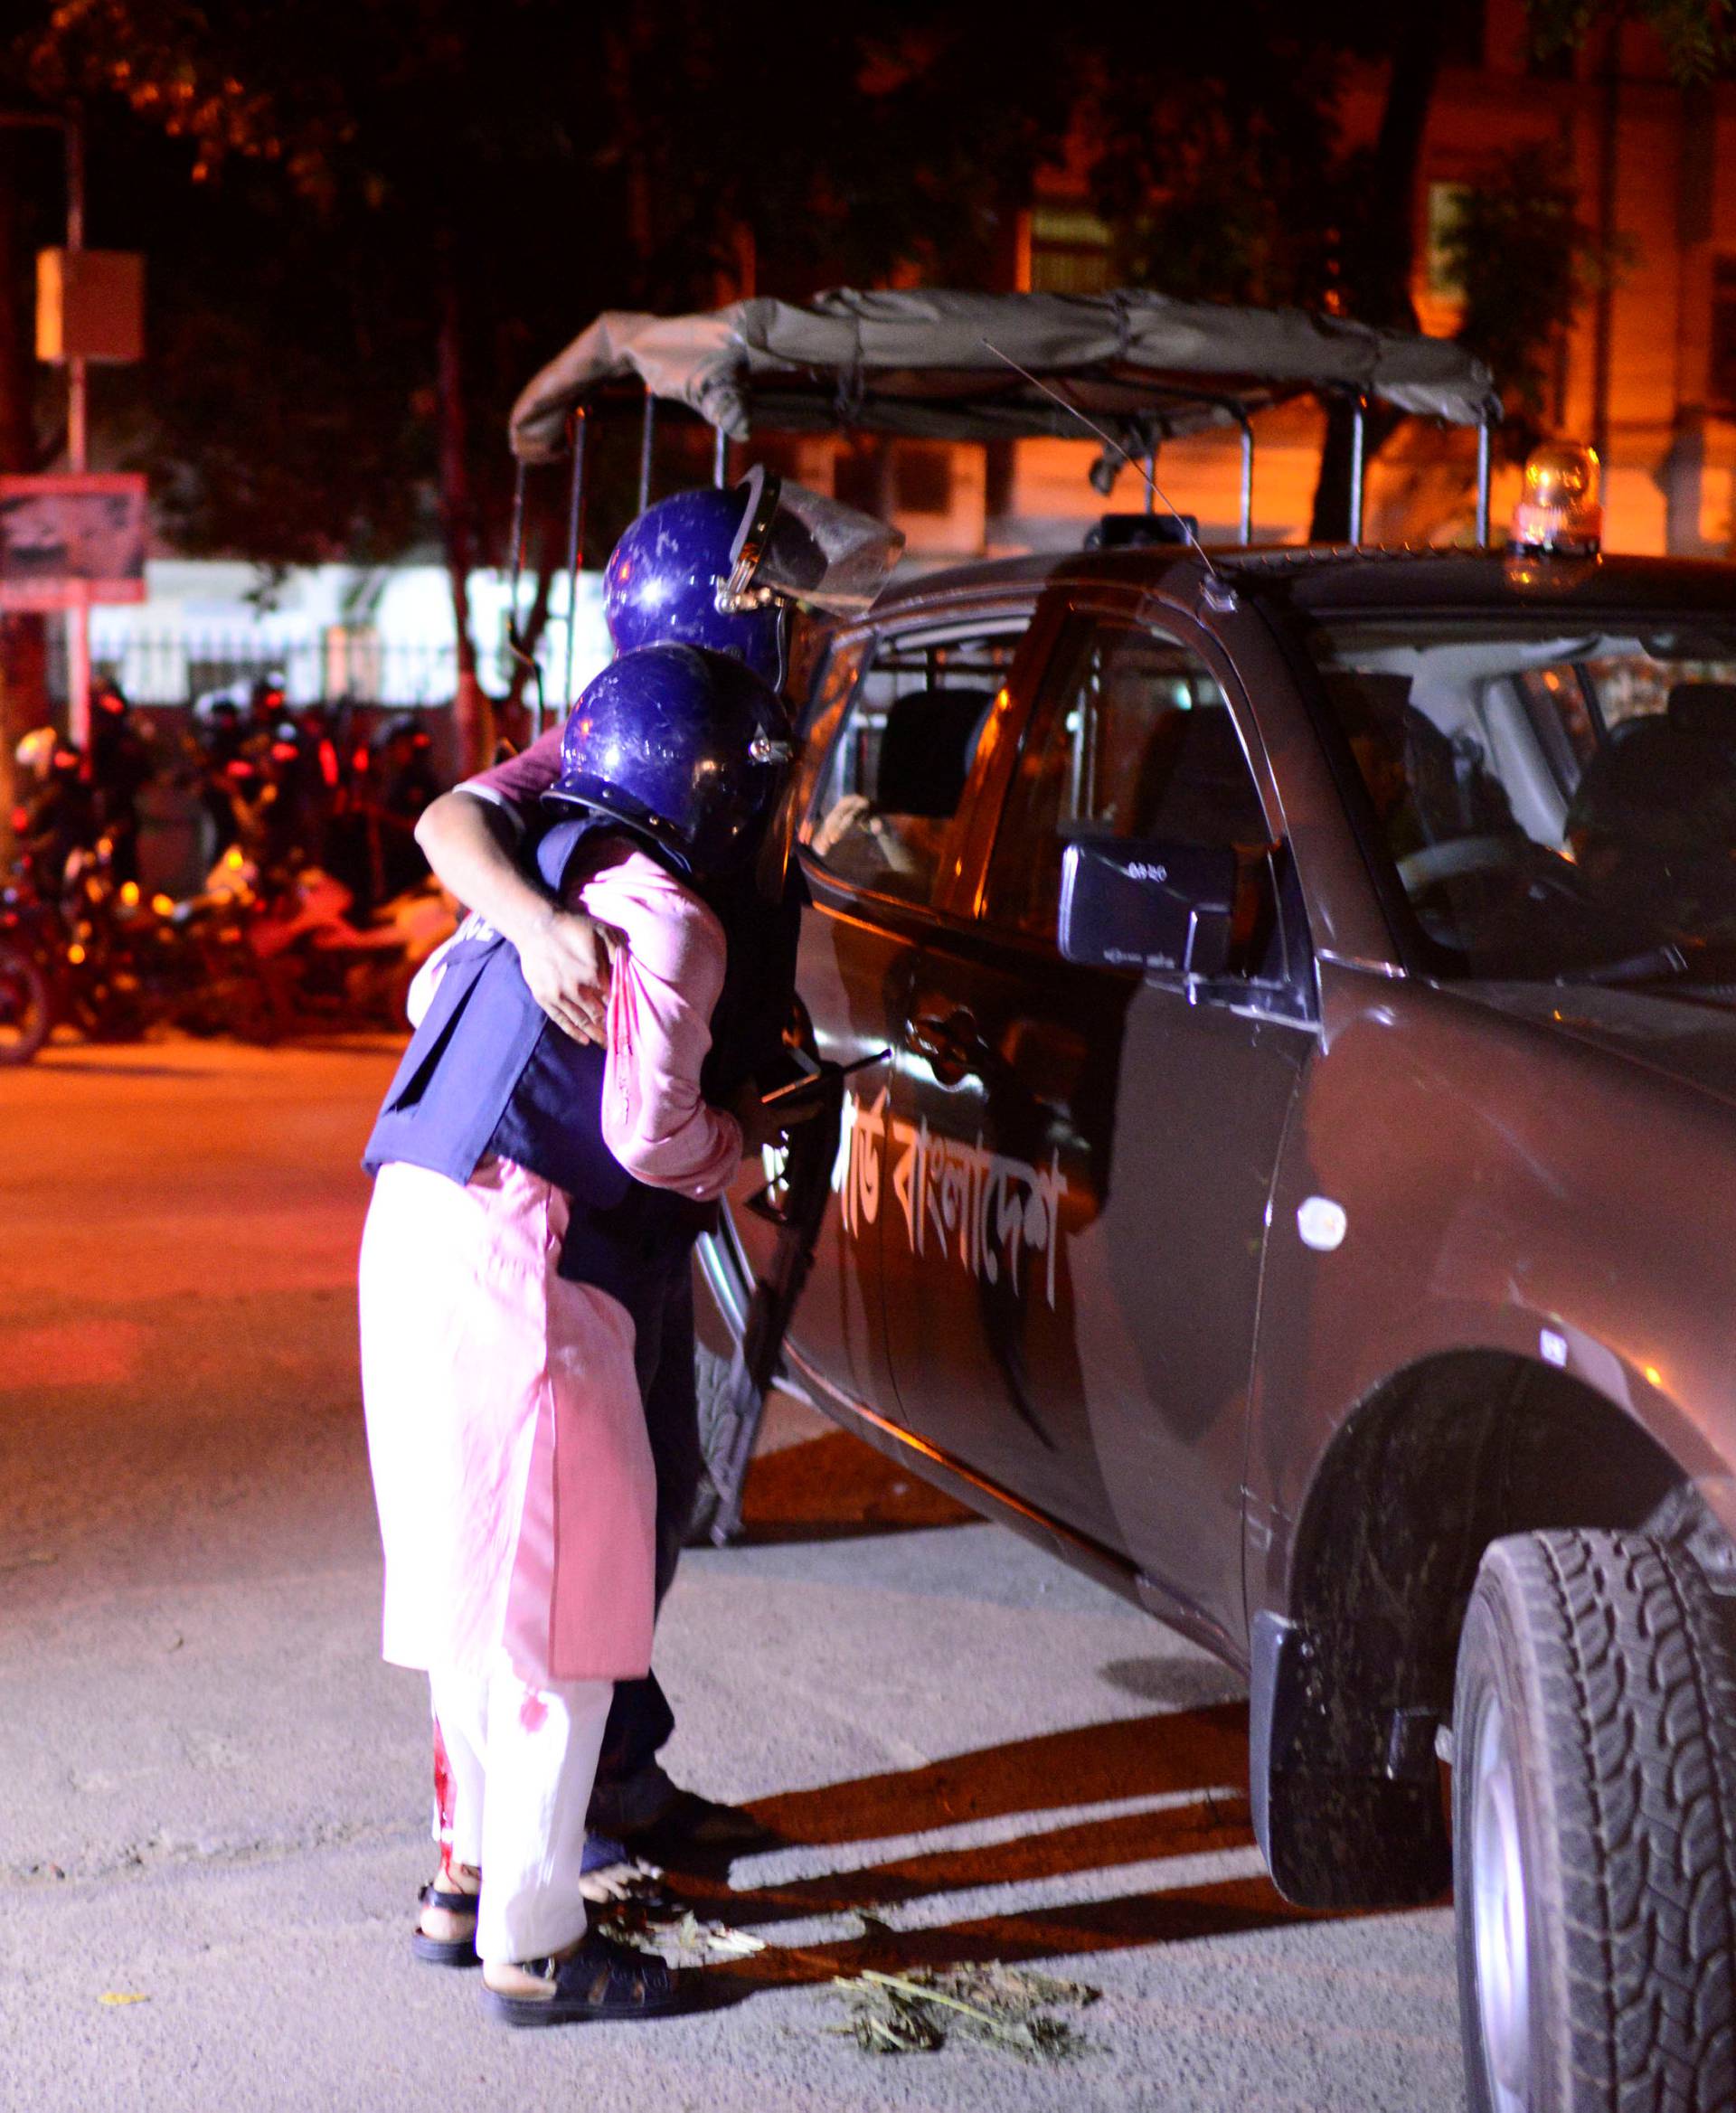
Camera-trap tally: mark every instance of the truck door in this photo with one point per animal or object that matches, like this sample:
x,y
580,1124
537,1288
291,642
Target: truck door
x,y
1080,1161
897,747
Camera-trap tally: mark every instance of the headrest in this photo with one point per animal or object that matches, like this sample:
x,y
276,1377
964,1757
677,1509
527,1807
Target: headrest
x,y
926,749
1705,709
1368,704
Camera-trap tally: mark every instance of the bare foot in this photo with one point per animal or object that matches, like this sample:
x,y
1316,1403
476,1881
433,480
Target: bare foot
x,y
508,1978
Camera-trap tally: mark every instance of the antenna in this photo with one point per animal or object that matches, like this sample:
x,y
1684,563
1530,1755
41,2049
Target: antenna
x,y
1115,447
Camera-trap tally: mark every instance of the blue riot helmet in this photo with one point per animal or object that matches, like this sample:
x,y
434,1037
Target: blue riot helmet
x,y
721,570
660,585
684,747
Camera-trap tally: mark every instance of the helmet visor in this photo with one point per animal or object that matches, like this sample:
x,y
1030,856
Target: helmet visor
x,y
801,547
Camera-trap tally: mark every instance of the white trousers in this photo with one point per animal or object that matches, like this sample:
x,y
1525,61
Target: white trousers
x,y
521,1761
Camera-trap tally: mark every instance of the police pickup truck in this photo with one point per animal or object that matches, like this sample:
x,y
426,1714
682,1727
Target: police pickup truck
x,y
1302,1194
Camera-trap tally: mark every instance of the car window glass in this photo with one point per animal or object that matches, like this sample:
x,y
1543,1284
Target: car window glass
x,y
1551,803
895,777
1557,703
1131,738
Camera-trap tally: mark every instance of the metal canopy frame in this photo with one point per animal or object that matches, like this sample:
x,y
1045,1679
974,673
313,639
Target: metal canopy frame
x,y
960,396
1239,413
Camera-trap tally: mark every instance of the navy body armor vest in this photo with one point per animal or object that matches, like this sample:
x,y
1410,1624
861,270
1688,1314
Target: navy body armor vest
x,y
488,1073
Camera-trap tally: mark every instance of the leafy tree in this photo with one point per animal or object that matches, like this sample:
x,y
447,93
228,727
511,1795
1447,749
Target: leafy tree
x,y
368,222
447,189
1698,36
1220,157
318,382
1523,261
1219,146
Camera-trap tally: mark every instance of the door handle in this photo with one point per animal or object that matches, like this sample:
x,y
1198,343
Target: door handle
x,y
948,1044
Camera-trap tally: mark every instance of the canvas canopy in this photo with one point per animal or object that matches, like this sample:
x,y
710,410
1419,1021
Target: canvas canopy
x,y
919,363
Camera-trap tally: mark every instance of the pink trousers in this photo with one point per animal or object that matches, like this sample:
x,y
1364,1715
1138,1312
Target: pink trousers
x,y
511,1467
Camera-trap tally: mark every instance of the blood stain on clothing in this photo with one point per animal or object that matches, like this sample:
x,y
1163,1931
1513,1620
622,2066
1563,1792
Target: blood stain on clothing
x,y
443,1799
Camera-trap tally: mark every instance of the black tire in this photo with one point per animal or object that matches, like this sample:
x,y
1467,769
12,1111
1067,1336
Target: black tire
x,y
26,1012
711,1372
1594,1830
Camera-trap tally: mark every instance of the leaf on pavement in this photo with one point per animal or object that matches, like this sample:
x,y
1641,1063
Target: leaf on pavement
x,y
990,2005
680,1940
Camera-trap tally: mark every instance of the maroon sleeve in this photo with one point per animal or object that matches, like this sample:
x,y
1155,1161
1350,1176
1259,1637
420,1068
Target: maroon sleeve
x,y
519,783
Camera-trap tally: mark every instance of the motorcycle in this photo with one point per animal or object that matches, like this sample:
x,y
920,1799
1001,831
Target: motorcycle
x,y
26,1008
321,967
99,957
57,967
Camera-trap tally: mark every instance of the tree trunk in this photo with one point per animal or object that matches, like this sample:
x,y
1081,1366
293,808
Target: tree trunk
x,y
514,711
472,707
23,636
1384,297
1382,269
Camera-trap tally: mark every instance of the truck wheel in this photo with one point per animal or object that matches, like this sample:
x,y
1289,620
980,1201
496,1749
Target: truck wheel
x,y
711,1372
26,1016
1594,1830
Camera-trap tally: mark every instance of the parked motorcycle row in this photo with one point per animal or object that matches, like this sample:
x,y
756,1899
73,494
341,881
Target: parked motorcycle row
x,y
268,943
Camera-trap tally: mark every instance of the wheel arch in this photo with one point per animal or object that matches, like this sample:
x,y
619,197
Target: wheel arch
x,y
1351,1680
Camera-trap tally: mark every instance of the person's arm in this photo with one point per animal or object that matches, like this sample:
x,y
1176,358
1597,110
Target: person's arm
x,y
668,976
470,838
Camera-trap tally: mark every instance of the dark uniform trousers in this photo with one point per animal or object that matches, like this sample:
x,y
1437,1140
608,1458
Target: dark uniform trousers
x,y
631,1788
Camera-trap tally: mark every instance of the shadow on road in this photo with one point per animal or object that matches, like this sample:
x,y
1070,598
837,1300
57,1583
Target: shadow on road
x,y
835,1489
1196,1758
1088,1764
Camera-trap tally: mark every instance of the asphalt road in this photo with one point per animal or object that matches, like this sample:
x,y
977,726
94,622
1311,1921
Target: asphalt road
x,y
214,1794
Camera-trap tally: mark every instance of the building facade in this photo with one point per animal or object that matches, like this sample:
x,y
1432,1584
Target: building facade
x,y
1647,371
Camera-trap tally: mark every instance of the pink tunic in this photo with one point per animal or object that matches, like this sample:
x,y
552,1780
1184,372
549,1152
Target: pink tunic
x,y
511,1466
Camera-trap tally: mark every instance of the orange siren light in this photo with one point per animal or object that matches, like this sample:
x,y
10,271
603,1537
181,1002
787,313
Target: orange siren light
x,y
1561,510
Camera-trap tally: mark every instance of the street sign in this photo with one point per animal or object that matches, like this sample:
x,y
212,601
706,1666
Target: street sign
x,y
66,542
89,304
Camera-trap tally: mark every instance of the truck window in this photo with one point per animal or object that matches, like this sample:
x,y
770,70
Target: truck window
x,y
895,778
1131,738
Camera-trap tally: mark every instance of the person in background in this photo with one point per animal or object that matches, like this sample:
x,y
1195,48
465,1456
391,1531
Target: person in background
x,y
313,784
220,733
56,815
119,765
267,709
405,784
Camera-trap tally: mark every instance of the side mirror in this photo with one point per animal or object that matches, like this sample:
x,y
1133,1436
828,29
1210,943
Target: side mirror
x,y
1166,908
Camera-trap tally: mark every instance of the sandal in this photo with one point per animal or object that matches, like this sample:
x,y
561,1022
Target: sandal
x,y
446,1951
601,1979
